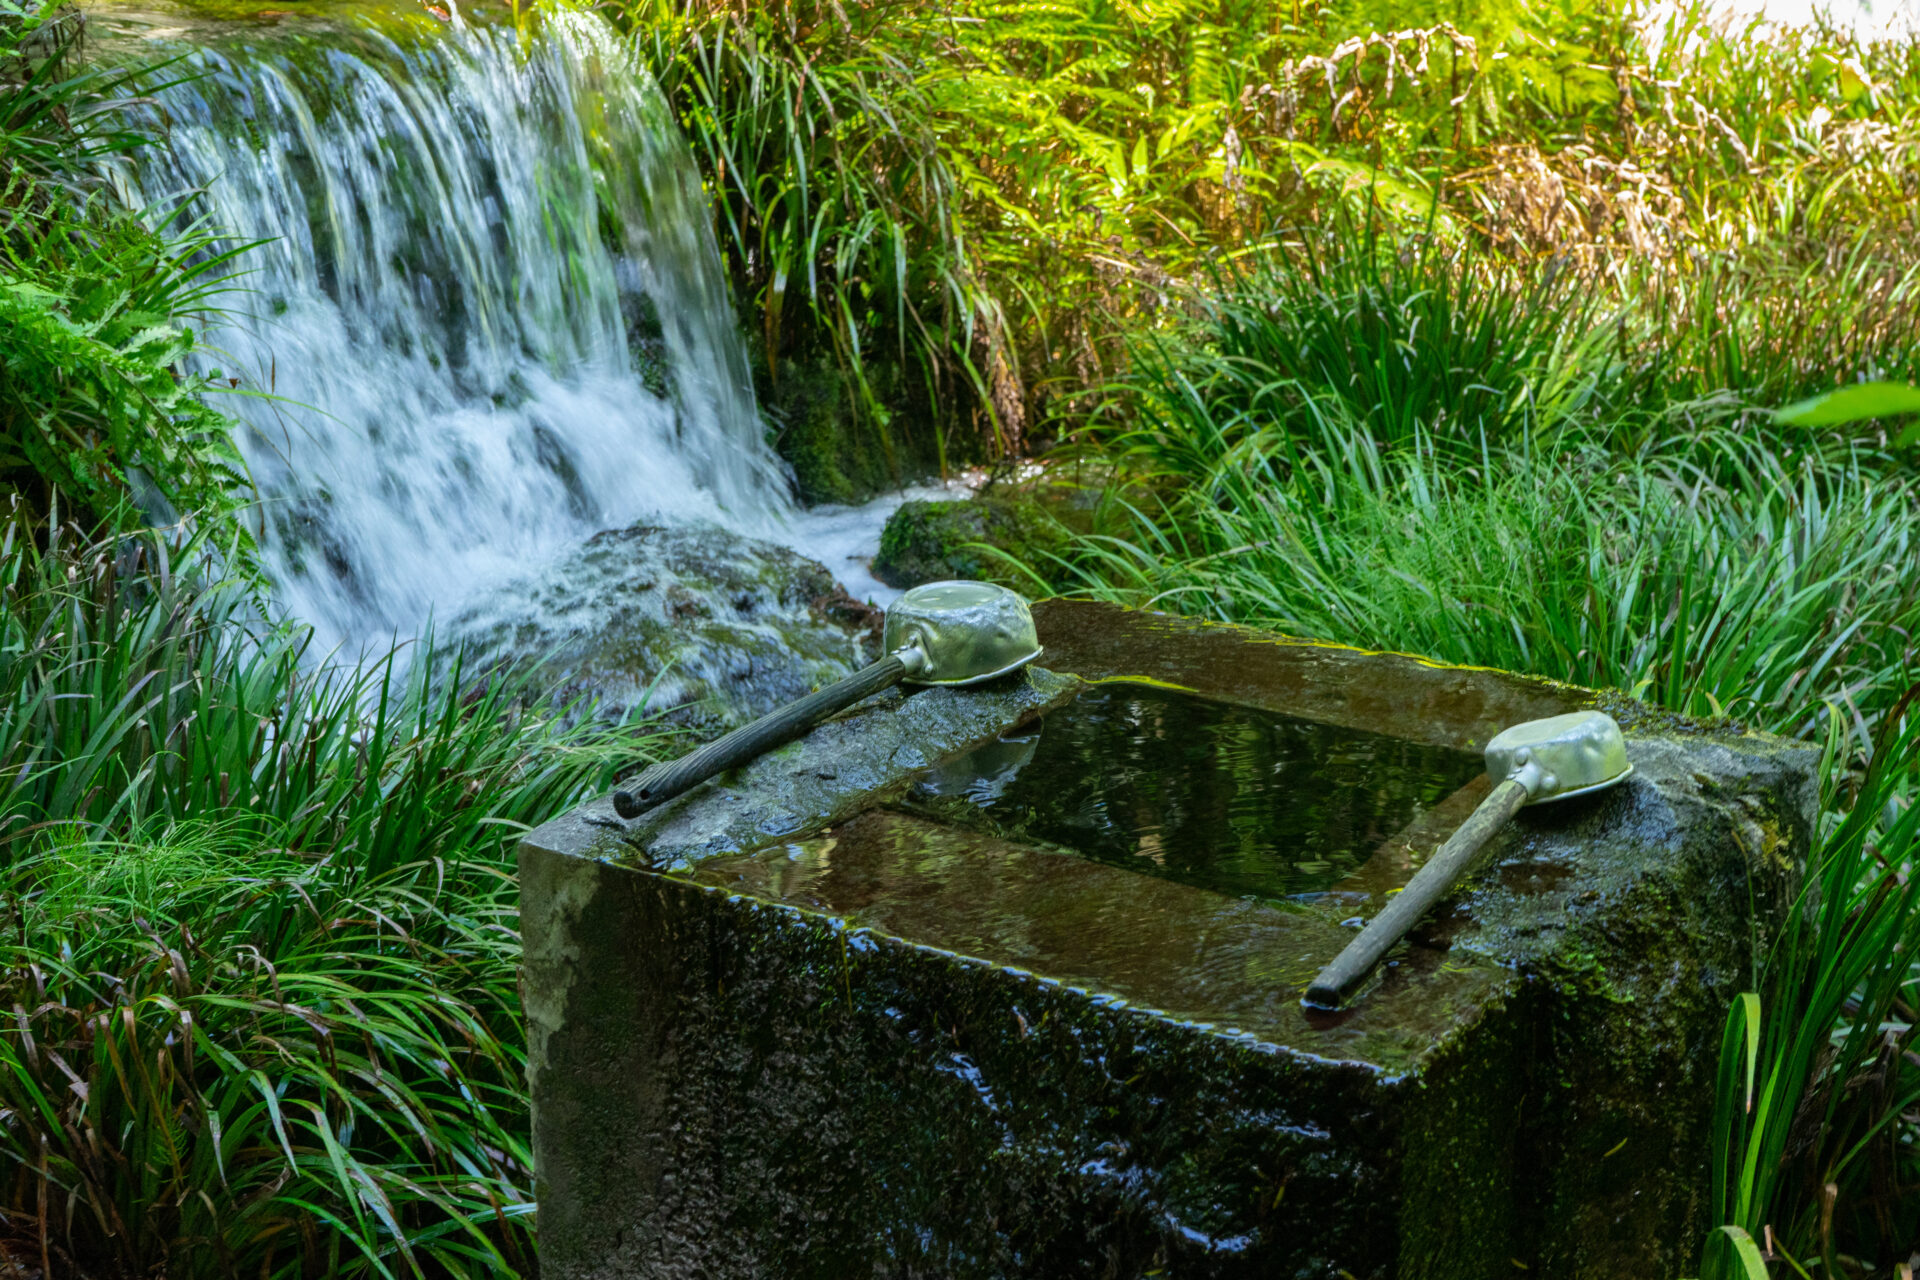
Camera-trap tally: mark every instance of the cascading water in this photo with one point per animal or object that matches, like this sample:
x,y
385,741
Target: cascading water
x,y
486,319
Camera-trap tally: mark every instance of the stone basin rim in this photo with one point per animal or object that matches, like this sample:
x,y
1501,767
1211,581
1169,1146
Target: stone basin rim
x,y
1109,1002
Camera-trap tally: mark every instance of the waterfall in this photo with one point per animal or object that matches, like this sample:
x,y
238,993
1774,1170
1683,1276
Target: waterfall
x,y
486,316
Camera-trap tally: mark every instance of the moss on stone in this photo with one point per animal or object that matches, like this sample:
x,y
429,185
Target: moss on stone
x,y
932,541
696,621
840,453
771,1093
829,1100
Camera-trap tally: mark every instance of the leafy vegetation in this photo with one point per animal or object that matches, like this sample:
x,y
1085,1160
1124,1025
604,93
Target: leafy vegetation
x,y
260,931
138,696
839,210
1394,451
1813,1155
1647,574
238,1061
1452,329
93,299
1044,179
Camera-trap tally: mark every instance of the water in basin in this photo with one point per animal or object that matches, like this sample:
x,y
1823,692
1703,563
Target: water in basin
x,y
1221,797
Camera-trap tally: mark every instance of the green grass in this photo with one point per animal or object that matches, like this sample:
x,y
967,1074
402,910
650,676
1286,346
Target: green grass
x,y
232,1060
260,926
140,691
1404,338
1406,335
838,208
1371,439
1759,600
1813,1155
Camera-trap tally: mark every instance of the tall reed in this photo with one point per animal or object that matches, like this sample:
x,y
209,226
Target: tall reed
x,y
1813,1162
258,929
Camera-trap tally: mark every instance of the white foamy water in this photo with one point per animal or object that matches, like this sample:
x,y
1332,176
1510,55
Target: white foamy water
x,y
844,538
487,318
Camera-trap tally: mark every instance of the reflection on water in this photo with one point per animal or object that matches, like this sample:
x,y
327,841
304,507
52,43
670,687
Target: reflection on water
x,y
984,774
1226,798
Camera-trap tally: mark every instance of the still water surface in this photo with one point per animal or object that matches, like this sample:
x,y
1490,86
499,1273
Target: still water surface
x,y
1227,798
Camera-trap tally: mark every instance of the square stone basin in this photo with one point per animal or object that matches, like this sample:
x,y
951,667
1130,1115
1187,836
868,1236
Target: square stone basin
x,y
1006,981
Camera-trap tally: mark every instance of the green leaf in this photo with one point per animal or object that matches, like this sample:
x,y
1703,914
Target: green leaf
x,y
1748,1003
1856,403
1376,186
1745,1252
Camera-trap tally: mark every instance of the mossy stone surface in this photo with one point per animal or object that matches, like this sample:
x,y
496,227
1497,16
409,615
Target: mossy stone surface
x,y
707,624
839,451
759,1091
851,762
934,541
879,1046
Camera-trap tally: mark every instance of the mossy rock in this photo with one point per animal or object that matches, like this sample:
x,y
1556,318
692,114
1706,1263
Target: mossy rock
x,y
839,453
706,625
934,541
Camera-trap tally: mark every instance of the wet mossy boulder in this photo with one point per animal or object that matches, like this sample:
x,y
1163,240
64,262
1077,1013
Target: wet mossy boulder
x,y
710,625
936,541
840,453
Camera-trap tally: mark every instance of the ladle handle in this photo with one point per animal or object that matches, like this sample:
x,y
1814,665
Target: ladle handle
x,y
1429,884
670,778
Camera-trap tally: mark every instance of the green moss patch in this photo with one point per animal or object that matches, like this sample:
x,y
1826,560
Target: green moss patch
x,y
932,541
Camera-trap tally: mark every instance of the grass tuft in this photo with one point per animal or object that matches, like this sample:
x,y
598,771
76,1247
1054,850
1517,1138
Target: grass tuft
x,y
257,930
1812,1150
232,1061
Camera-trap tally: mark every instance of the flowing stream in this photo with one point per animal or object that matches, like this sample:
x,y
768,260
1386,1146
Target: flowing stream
x,y
485,317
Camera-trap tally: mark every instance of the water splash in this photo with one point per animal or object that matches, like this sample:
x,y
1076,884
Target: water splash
x,y
488,317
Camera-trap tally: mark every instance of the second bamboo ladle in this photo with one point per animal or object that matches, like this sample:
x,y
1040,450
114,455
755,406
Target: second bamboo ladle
x,y
939,633
1538,761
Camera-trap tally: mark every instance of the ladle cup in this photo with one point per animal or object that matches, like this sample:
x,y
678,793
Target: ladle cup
x,y
942,633
1537,761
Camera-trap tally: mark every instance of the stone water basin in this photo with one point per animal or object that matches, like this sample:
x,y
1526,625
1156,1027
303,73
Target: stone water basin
x,y
1005,982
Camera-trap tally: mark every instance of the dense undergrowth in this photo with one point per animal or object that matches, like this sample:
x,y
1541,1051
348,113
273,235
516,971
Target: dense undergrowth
x,y
1000,194
95,298
1376,444
260,933
1497,392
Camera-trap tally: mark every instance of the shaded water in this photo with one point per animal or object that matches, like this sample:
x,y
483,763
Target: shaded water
x,y
1227,798
487,317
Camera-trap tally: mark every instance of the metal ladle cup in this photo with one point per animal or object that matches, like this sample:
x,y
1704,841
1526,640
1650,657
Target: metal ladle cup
x,y
951,633
1538,761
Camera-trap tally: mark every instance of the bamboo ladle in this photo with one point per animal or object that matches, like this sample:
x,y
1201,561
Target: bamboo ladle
x,y
1538,761
941,633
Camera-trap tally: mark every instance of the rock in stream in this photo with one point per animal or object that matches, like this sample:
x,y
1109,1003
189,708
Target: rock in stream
x,y
719,627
